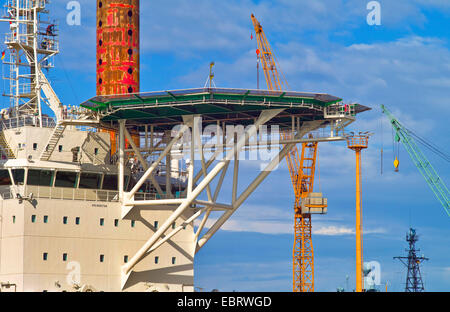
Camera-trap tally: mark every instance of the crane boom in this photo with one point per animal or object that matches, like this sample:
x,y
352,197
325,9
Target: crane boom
x,y
433,180
268,60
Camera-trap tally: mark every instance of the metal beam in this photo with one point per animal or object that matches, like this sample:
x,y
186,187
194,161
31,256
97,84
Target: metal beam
x,y
156,163
143,161
121,158
264,117
249,190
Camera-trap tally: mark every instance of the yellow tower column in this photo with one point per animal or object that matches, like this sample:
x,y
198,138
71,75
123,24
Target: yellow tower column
x,y
359,231
357,143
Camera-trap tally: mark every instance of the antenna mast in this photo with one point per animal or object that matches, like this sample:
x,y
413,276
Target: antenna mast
x,y
414,281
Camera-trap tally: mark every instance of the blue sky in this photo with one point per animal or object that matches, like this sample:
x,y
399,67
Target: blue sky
x,y
323,46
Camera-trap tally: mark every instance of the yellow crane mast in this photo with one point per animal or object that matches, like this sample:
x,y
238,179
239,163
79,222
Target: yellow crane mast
x,y
301,169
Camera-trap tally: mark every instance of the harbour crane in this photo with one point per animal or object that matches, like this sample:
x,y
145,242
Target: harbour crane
x,y
301,168
406,136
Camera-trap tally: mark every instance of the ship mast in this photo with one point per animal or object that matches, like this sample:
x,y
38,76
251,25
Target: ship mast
x,y
32,44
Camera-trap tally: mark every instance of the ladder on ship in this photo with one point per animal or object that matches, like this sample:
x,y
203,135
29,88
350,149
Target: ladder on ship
x,y
53,141
5,147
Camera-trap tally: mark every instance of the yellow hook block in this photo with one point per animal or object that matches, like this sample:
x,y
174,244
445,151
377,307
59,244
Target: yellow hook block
x,y
396,163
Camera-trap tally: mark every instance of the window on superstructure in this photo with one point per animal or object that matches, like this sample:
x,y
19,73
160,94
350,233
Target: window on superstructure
x,y
125,259
110,182
77,220
33,218
64,257
102,222
60,148
45,219
35,146
90,181
40,177
5,179
66,179
14,219
174,260
65,220
18,176
155,224
133,223
156,260
96,151
44,256
116,222
102,258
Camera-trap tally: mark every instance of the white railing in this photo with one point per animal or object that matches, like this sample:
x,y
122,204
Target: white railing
x,y
21,121
66,193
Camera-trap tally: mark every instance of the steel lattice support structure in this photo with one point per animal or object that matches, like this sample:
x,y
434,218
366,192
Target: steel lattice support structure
x,y
302,169
303,251
32,42
193,191
414,282
171,124
303,255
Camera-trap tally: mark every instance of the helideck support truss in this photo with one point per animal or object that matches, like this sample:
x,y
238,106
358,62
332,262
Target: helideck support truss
x,y
199,181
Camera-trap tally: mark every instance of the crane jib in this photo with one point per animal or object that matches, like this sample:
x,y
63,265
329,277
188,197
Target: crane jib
x,y
430,175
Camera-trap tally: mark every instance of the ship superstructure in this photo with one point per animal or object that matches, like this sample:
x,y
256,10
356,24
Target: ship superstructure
x,y
117,194
61,227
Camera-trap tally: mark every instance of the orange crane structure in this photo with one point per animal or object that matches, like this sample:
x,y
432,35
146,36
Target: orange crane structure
x,y
301,168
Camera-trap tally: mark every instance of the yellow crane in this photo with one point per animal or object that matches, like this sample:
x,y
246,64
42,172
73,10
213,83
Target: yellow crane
x,y
301,169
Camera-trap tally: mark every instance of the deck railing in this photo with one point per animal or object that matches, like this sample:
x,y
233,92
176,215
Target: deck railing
x,y
17,122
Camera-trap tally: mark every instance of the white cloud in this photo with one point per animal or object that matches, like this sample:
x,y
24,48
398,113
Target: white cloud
x,y
332,230
275,220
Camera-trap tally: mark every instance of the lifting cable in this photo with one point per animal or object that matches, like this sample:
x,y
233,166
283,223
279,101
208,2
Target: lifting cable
x,y
432,147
